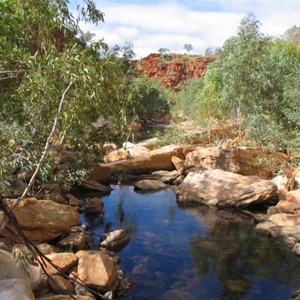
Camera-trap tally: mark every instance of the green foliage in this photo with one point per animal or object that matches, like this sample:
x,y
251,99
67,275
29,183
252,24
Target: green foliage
x,y
22,261
172,136
188,47
186,98
156,100
254,79
293,34
39,56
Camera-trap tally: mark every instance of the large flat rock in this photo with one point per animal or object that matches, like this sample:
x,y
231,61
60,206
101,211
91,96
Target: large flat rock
x,y
224,189
155,160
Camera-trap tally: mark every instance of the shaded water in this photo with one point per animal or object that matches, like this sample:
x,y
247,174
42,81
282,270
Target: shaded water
x,y
194,253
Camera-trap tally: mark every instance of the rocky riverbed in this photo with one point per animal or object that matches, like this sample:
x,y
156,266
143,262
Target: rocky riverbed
x,y
222,176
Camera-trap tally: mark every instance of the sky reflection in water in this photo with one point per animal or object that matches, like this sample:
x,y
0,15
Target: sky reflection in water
x,y
194,253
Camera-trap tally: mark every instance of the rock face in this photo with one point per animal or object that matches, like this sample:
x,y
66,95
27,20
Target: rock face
x,y
155,160
173,69
97,270
15,289
225,189
44,220
244,161
9,270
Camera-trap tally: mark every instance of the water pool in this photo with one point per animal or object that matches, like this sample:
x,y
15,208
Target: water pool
x,y
194,252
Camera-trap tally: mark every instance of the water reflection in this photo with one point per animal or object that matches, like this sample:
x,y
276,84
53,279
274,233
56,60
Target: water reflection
x,y
195,253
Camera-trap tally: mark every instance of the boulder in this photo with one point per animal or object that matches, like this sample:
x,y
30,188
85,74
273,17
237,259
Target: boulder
x,y
155,160
97,270
44,220
149,143
149,185
75,240
94,205
94,186
282,225
73,201
282,184
293,196
100,173
137,151
178,163
224,189
15,289
116,155
283,206
64,261
60,284
115,240
241,160
9,270
64,297
46,248
166,176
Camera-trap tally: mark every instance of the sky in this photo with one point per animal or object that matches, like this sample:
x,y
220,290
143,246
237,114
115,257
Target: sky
x,y
152,24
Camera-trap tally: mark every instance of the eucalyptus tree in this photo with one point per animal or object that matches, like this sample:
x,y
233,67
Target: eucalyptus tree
x,y
188,47
40,55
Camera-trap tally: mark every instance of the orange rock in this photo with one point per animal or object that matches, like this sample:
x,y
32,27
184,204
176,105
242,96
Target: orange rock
x,y
293,196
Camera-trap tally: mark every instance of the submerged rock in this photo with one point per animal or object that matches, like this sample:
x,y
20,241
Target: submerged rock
x,y
94,206
224,189
115,240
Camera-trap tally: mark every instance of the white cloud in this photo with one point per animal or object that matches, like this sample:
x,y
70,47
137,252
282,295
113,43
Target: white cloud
x,y
203,24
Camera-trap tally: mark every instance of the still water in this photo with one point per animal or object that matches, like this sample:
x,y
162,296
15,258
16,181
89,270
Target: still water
x,y
196,253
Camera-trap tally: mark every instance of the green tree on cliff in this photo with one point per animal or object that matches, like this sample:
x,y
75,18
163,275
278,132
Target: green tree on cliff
x,y
188,47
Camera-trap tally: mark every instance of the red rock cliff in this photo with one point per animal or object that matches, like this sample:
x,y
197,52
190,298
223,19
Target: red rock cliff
x,y
173,69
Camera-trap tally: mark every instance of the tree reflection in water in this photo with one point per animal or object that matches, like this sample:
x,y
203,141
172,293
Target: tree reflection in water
x,y
243,261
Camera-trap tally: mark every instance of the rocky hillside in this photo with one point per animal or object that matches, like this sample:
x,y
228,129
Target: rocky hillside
x,y
173,69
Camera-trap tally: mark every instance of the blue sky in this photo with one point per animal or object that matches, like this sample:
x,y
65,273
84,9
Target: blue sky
x,y
153,24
